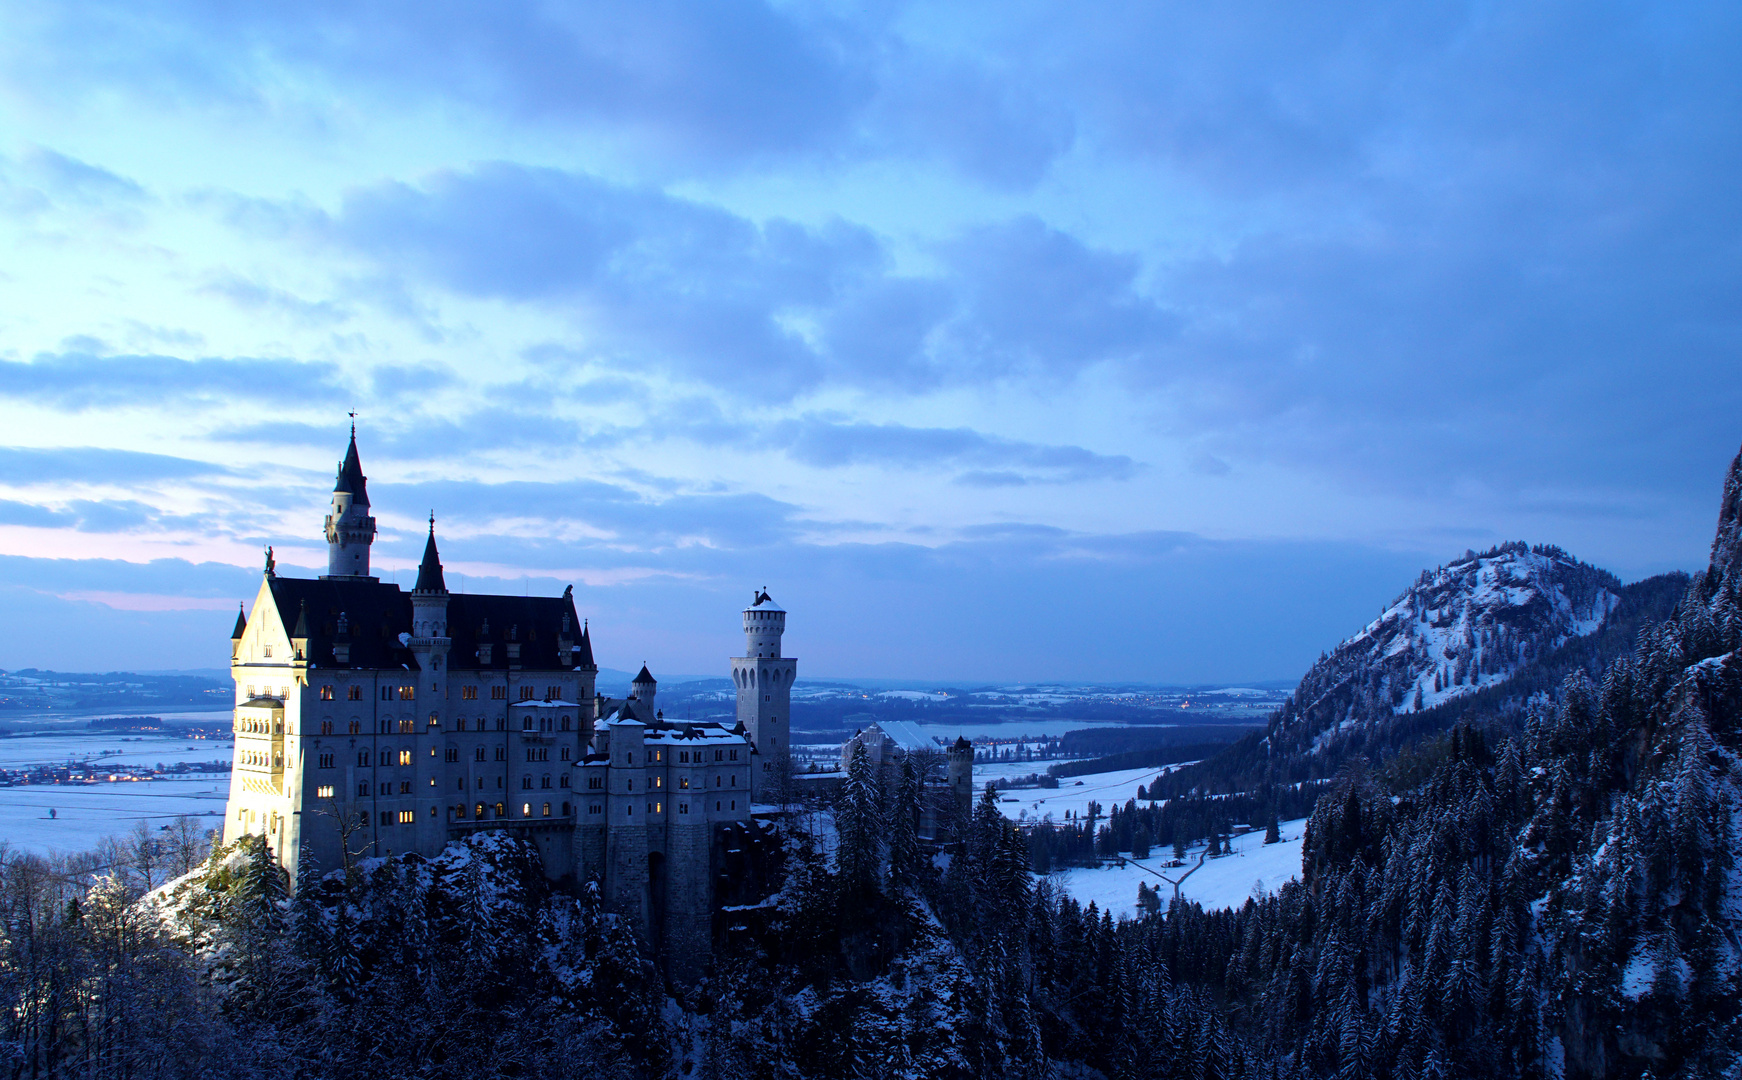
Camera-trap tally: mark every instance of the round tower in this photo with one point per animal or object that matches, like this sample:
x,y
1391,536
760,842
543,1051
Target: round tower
x,y
350,529
764,622
763,678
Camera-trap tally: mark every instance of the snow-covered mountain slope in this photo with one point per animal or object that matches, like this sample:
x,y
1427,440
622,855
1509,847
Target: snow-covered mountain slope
x,y
1464,626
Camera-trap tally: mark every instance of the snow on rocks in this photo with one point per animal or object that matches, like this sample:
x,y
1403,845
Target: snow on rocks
x,y
1462,627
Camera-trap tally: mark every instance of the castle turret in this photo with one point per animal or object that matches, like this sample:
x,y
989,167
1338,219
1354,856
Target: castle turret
x,y
429,609
764,682
241,628
645,689
350,529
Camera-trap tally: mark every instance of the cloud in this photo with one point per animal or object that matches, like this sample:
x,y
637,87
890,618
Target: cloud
x,y
22,466
602,515
80,181
699,292
825,443
82,380
253,296
728,81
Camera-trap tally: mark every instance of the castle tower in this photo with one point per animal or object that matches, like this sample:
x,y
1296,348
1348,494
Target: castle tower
x,y
645,689
961,777
350,529
764,681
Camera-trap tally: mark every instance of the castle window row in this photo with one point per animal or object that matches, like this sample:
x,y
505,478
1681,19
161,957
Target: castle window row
x,y
480,811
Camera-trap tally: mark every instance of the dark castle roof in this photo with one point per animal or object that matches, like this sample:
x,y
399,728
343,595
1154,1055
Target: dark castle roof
x,y
645,677
351,476
584,658
241,622
429,572
376,613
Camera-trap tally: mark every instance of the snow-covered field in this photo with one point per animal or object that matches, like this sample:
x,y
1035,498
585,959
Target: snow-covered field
x,y
19,751
1226,881
1074,793
85,813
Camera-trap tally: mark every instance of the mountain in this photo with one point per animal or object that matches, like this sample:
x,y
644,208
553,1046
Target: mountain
x,y
1473,641
1470,624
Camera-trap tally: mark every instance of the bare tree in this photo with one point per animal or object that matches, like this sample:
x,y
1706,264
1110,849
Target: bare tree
x,y
143,853
349,825
188,845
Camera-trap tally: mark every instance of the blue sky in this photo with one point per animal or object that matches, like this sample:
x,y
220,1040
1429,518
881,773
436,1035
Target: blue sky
x,y
1147,341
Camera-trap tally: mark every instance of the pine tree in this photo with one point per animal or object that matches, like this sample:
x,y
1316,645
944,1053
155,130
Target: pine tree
x,y
858,822
904,853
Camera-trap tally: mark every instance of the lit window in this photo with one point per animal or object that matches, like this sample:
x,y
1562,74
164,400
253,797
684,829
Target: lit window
x,y
547,809
405,757
408,693
325,791
683,782
525,809
326,693
406,817
468,693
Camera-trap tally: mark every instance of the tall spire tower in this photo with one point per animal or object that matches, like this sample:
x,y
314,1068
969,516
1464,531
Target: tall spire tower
x,y
350,529
764,681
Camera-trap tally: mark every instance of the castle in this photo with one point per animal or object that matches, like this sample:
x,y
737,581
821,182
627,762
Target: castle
x,y
370,721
